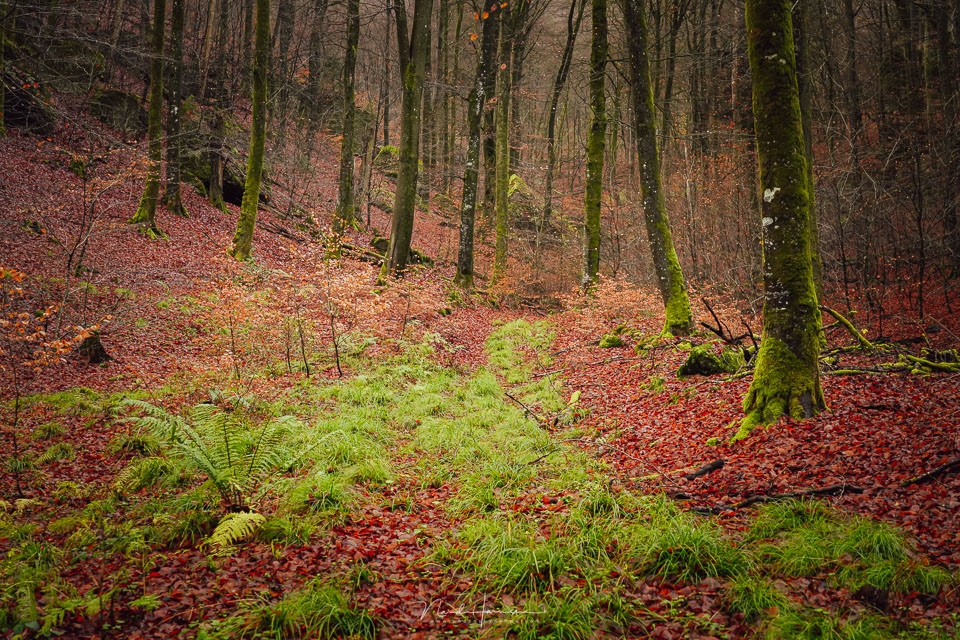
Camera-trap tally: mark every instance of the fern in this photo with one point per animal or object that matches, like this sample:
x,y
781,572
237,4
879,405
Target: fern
x,y
218,443
235,527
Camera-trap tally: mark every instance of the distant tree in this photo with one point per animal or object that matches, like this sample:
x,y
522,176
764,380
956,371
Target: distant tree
x,y
595,145
172,196
346,211
786,379
669,276
486,54
146,214
414,48
574,18
508,24
243,237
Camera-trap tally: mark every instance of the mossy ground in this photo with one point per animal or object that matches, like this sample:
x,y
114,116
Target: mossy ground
x,y
492,507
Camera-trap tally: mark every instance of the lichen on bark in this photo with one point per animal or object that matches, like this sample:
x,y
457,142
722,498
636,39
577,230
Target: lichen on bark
x,y
787,377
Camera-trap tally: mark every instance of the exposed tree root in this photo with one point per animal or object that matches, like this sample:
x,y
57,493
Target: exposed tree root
x,y
949,467
861,339
706,469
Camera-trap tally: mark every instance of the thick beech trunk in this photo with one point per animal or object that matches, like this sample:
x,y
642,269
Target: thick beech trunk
x,y
243,238
595,146
147,210
670,280
346,210
786,380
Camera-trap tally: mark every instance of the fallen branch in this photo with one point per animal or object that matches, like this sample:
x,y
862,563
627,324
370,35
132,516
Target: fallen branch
x,y
832,490
864,343
706,469
528,410
953,465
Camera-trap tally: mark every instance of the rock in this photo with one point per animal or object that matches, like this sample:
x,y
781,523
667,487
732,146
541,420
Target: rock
x,y
611,340
702,362
25,103
386,160
120,110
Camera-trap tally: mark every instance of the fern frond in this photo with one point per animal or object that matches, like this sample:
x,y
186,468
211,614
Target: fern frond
x,y
235,527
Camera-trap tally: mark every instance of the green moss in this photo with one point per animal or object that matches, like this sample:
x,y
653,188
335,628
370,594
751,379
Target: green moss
x,y
782,384
611,340
703,362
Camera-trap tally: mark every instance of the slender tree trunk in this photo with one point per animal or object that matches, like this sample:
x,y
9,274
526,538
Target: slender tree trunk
x,y
248,35
573,27
666,266
490,140
215,187
315,61
520,30
428,126
207,47
386,83
3,46
243,238
595,146
414,48
172,197
471,172
115,29
443,103
147,210
346,211
786,379
502,192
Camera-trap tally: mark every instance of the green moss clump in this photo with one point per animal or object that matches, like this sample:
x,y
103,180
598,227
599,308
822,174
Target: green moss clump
x,y
702,362
611,340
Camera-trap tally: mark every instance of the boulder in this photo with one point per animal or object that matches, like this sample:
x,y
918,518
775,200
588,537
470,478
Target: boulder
x,y
703,362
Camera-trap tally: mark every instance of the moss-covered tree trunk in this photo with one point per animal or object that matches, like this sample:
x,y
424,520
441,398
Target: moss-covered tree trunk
x,y
787,378
3,45
595,146
471,172
243,238
669,276
172,197
147,210
346,210
414,48
801,38
573,28
502,192
215,188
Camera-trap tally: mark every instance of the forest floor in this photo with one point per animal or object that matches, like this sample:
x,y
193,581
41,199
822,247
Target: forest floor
x,y
446,468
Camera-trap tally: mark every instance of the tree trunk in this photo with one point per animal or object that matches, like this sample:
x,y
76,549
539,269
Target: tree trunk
x,y
243,238
502,192
147,210
172,196
315,61
345,215
573,27
595,146
471,172
413,49
286,14
248,35
669,276
207,46
805,88
787,378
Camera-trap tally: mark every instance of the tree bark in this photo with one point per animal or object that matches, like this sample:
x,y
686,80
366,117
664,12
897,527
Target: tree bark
x,y
345,215
787,376
595,146
502,193
243,238
413,50
147,210
315,61
471,172
172,197
207,47
573,28
666,266
805,87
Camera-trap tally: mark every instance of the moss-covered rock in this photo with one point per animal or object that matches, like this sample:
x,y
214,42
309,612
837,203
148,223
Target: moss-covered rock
x,y
703,362
119,109
611,340
386,160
